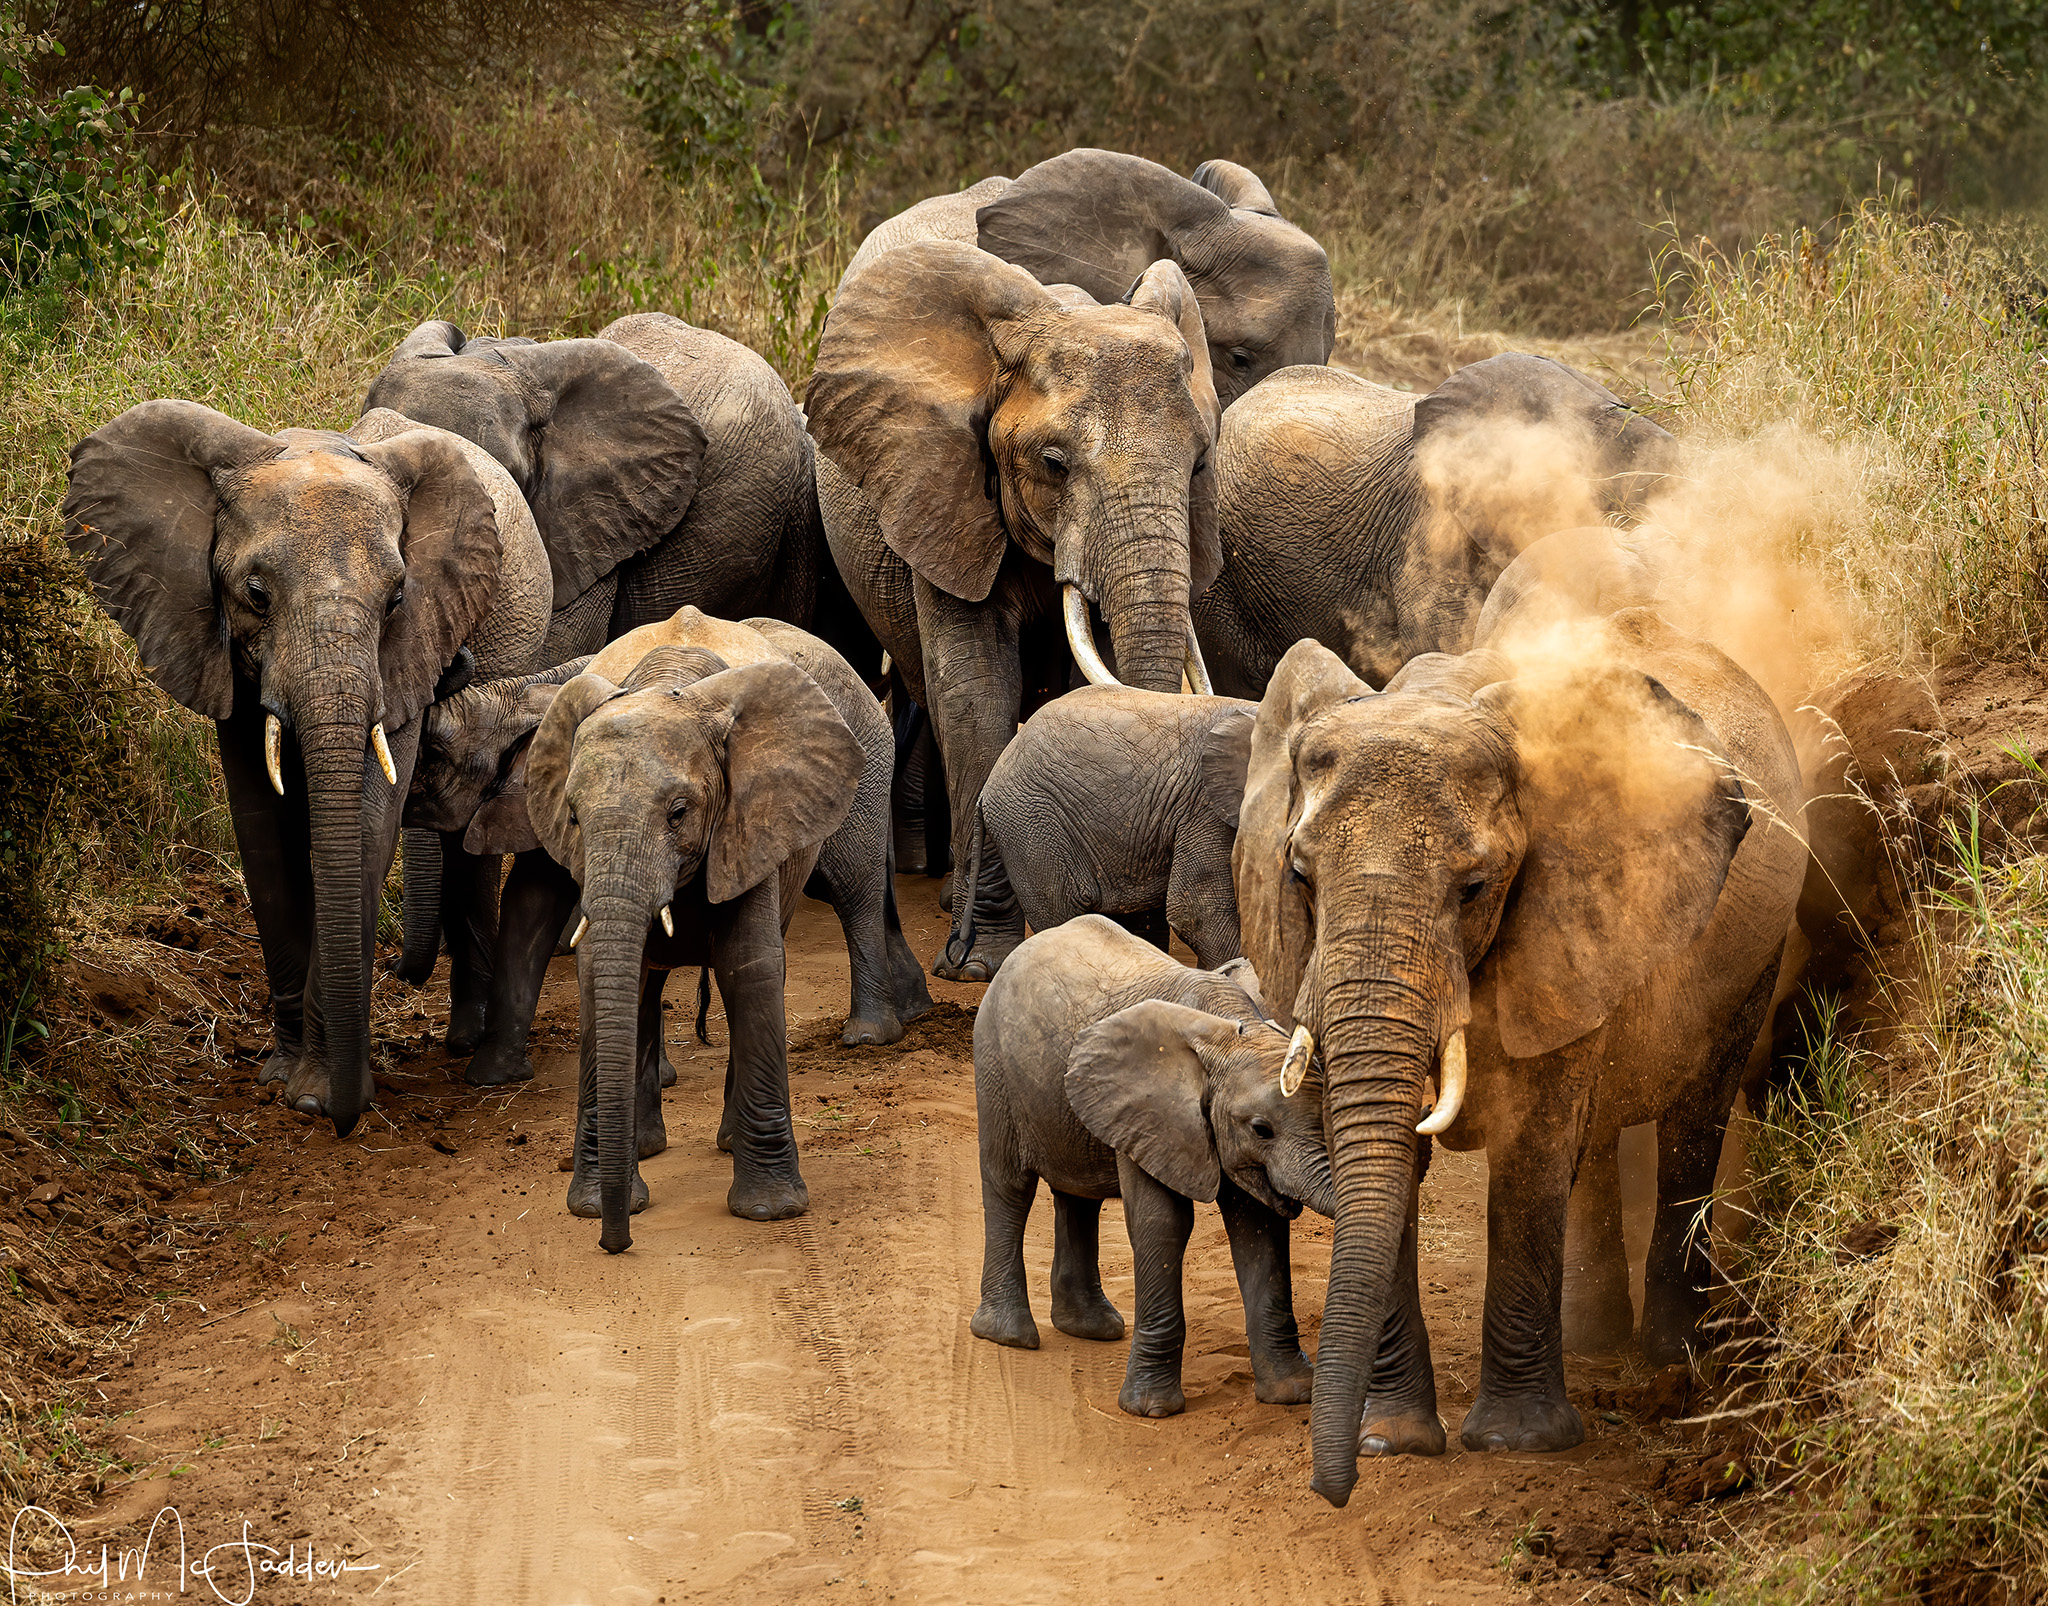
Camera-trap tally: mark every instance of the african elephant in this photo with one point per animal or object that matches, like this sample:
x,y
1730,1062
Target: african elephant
x,y
1099,219
1555,873
311,593
1376,522
1112,1071
666,466
995,457
476,757
1124,803
694,794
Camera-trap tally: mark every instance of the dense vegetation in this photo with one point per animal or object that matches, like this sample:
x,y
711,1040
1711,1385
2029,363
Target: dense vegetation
x,y
299,183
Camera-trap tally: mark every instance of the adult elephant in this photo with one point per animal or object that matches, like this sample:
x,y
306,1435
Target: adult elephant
x,y
1376,522
666,466
1098,219
1541,884
310,593
997,457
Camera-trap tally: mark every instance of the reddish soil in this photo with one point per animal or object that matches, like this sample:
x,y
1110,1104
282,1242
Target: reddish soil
x,y
400,1353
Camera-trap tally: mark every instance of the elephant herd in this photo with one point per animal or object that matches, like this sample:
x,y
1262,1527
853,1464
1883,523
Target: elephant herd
x,y
1363,694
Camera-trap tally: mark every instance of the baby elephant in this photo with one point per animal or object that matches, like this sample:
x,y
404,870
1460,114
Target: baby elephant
x,y
1111,1070
1121,802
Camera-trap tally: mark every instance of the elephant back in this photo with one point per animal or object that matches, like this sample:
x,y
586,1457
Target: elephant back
x,y
938,217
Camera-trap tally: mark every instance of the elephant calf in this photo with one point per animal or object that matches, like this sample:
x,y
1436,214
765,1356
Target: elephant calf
x,y
1112,1071
1122,802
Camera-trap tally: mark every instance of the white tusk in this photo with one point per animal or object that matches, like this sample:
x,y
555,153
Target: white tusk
x,y
668,923
1446,1111
1081,638
582,926
1294,1069
1198,672
888,664
273,752
383,753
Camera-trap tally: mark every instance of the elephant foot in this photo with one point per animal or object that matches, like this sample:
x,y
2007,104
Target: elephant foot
x,y
1391,1432
653,1135
726,1128
495,1064
1598,1322
465,1027
1087,1315
305,1090
1151,1396
667,1075
584,1194
1670,1336
1283,1383
946,893
1495,1423
981,963
871,1031
280,1067
767,1196
1009,1324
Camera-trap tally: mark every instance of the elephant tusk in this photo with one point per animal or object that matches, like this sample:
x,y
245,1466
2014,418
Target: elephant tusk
x,y
668,923
1081,638
888,664
1446,1111
273,752
1198,672
582,926
383,753
1294,1069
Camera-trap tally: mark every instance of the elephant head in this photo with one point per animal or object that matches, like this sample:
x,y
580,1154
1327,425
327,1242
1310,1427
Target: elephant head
x,y
688,770
1545,838
336,580
1193,1098
603,449
471,771
976,408
1097,219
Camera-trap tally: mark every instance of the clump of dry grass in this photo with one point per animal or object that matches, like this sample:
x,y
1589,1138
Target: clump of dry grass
x,y
1902,361
1896,1265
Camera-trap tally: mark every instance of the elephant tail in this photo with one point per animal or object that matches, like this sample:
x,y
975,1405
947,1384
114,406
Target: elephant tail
x,y
963,912
422,872
703,1004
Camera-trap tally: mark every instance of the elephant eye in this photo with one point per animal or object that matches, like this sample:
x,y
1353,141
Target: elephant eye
x,y
1201,465
1240,359
1472,890
1297,869
678,809
397,599
1261,1127
1055,462
257,593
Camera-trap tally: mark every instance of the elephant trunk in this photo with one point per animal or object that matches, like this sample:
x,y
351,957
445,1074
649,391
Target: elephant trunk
x,y
422,906
333,722
1378,1042
610,958
1144,598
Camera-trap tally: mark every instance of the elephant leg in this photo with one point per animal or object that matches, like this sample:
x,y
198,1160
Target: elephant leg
x,y
853,876
275,849
1160,1221
1400,1413
653,1135
748,958
1080,1308
424,898
664,1068
537,899
1150,924
1005,1313
915,791
907,986
1281,1374
1599,1316
1677,1277
975,681
1521,1402
469,919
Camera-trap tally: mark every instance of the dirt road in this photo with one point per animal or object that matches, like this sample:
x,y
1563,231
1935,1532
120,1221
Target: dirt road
x,y
440,1380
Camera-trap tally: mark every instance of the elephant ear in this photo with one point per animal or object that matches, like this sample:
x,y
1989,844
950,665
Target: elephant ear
x,y
619,455
1226,755
901,397
435,338
501,824
139,515
1633,814
450,547
1138,1082
1095,219
791,767
1239,188
1272,904
547,768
